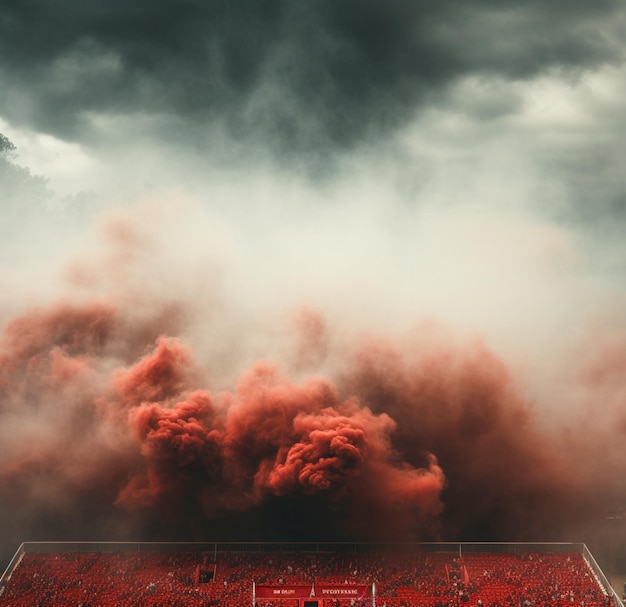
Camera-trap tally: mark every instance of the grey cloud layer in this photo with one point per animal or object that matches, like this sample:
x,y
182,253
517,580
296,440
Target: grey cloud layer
x,y
303,76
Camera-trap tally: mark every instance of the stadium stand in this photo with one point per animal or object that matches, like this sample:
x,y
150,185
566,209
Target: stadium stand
x,y
298,575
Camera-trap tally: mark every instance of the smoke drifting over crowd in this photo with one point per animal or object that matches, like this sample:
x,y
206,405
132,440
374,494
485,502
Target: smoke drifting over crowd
x,y
313,271
113,423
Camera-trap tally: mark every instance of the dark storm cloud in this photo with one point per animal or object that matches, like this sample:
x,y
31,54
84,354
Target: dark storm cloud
x,y
303,75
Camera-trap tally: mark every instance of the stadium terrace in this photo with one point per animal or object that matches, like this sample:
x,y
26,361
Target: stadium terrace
x,y
304,575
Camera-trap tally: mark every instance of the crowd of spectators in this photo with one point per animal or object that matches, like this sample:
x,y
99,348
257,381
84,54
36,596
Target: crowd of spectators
x,y
402,579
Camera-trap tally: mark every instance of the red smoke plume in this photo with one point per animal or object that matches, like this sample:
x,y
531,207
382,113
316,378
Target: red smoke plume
x,y
110,427
78,409
271,437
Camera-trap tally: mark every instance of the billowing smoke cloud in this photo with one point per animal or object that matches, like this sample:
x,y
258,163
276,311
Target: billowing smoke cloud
x,y
86,418
115,425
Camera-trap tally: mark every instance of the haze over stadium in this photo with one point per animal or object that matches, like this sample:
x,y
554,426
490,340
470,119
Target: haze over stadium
x,y
312,271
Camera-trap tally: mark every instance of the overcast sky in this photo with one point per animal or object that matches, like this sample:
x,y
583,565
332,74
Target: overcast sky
x,y
440,150
384,164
